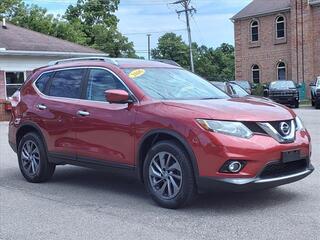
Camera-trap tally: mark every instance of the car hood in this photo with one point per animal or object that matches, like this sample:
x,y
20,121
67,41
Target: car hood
x,y
240,109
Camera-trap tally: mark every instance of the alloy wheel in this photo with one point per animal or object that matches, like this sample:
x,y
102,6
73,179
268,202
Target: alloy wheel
x,y
165,175
30,158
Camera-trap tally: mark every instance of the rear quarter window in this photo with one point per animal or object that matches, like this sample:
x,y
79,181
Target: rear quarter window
x,y
42,82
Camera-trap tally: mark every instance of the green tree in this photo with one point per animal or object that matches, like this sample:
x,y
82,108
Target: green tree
x,y
172,47
99,24
212,64
89,22
110,40
8,8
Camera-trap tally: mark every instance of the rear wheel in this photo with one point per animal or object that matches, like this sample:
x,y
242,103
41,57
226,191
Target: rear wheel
x,y
296,105
33,160
168,175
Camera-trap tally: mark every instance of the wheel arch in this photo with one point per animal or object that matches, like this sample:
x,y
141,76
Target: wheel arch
x,y
154,136
27,128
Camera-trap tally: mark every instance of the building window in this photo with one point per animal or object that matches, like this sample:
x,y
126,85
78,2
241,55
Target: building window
x,y
255,73
282,71
280,27
13,82
254,31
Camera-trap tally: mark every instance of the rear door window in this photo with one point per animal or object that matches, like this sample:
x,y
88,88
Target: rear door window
x,y
67,83
41,83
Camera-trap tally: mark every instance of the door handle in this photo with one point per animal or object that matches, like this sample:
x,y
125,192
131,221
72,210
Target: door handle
x,y
41,107
83,113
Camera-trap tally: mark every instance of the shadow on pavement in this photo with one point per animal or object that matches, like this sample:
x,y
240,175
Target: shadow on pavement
x,y
132,188
74,179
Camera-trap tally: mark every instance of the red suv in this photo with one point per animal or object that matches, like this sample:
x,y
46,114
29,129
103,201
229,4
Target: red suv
x,y
174,130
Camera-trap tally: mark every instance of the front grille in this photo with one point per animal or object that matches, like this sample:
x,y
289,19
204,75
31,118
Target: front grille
x,y
282,93
277,124
280,169
254,127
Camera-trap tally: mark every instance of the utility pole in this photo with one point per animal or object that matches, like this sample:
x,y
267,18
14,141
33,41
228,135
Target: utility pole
x,y
187,10
149,46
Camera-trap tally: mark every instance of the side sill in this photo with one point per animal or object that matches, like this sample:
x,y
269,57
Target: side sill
x,y
109,166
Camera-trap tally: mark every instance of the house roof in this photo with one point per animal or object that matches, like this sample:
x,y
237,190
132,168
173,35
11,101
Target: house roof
x,y
17,39
261,7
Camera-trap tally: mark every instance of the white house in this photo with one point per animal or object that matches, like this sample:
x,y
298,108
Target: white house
x,y
22,50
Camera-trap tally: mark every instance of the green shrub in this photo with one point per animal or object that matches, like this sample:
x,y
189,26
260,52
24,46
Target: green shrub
x,y
258,90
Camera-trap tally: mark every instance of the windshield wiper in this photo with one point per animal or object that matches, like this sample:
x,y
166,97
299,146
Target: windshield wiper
x,y
209,98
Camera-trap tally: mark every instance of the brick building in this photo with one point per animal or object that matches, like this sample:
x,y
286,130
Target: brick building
x,y
22,50
278,39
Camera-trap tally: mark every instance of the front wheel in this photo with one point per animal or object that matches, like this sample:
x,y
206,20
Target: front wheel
x,y
168,175
33,160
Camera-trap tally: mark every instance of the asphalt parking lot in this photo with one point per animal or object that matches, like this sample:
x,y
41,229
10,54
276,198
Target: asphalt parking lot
x,y
84,204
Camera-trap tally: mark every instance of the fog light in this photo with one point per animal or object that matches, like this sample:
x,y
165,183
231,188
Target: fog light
x,y
235,167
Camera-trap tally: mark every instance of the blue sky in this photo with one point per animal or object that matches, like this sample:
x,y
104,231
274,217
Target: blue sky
x,y
211,24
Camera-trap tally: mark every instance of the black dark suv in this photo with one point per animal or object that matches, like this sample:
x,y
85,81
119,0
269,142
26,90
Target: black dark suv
x,y
315,93
284,92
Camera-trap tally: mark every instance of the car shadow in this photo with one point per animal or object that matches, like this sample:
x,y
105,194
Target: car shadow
x,y
232,202
99,180
71,182
129,187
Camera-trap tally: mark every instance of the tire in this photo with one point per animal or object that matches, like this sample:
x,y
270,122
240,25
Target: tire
x,y
33,159
176,165
297,104
317,105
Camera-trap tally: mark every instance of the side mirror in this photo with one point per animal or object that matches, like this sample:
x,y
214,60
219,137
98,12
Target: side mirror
x,y
117,96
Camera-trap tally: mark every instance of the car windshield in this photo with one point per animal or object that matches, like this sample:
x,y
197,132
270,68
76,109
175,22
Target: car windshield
x,y
239,90
219,85
282,85
243,84
174,84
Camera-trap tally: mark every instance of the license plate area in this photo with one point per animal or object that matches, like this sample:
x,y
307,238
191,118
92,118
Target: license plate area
x,y
291,156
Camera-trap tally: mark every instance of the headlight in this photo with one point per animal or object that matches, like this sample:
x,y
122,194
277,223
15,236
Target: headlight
x,y
299,124
236,129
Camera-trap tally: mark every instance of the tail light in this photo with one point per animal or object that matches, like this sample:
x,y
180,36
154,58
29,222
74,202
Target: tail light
x,y
15,99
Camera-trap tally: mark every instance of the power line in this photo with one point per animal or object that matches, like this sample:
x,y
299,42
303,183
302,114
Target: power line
x,y
163,31
188,11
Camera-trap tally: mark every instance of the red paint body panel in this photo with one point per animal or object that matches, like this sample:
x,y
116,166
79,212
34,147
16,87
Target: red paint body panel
x,y
107,134
114,132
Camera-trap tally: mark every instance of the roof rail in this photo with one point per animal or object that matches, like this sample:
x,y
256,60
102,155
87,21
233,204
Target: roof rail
x,y
105,59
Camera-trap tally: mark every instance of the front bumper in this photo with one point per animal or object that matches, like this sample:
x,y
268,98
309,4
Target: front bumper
x,y
285,100
247,184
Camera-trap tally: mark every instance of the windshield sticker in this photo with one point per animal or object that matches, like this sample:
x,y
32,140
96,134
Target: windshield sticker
x,y
137,73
